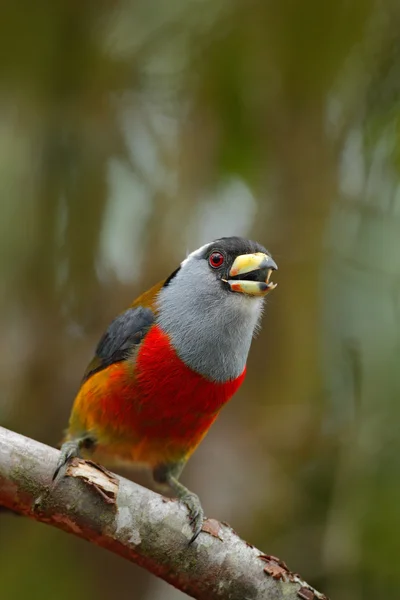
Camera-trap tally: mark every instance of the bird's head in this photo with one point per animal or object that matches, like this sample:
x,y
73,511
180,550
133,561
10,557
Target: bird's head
x,y
211,305
231,264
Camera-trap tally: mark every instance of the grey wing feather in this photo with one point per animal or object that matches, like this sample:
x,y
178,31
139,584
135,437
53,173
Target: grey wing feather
x,y
124,333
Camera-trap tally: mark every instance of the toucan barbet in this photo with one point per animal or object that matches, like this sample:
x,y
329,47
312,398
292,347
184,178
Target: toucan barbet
x,y
167,365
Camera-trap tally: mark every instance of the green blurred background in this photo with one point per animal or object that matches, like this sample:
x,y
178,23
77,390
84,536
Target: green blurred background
x,y
133,131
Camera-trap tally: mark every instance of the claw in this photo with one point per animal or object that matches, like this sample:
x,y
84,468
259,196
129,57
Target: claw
x,y
71,449
68,451
196,514
168,474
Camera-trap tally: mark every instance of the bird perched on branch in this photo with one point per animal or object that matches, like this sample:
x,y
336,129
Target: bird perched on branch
x,y
167,365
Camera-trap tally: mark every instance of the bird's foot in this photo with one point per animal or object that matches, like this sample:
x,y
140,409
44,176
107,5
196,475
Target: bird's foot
x,y
168,475
196,513
69,450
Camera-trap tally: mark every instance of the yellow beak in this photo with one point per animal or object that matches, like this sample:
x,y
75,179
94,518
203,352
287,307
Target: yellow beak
x,y
245,263
257,268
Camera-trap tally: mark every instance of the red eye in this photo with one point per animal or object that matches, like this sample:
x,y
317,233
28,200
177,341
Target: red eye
x,y
216,259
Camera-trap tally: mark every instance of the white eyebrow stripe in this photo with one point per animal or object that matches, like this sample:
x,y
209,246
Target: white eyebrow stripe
x,y
194,253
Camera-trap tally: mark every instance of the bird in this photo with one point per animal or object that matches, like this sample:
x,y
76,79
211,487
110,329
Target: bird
x,y
167,365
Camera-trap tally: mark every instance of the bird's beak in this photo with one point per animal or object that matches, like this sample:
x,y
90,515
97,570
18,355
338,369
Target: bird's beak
x,y
250,274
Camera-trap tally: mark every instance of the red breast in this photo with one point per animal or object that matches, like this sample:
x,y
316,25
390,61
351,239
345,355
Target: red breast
x,y
158,396
174,400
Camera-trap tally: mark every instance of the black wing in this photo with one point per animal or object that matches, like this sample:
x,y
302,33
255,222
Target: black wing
x,y
123,334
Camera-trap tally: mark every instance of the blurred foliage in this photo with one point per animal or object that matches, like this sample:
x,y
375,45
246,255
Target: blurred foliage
x,y
131,132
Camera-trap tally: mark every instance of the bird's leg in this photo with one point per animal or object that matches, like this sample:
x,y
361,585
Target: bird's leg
x,y
168,475
72,448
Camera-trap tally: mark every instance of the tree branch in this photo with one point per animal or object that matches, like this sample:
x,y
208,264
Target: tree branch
x,y
140,525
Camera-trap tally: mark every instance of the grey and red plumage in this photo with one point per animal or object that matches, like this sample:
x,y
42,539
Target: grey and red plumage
x,y
166,366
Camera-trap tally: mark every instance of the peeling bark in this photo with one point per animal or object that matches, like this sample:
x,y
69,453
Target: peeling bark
x,y
140,525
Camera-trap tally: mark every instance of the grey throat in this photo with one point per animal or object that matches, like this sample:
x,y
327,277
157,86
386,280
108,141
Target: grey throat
x,y
210,328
